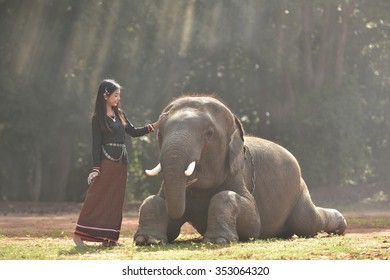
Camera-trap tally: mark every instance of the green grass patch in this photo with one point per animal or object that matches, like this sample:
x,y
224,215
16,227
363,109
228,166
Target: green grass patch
x,y
379,222
323,247
57,244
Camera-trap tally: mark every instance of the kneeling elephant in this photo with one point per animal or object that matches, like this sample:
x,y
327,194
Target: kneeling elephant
x,y
227,185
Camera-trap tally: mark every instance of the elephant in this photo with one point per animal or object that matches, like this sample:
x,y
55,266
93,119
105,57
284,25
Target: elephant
x,y
228,185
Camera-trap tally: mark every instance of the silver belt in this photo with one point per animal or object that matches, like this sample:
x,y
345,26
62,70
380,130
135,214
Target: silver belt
x,y
116,145
123,146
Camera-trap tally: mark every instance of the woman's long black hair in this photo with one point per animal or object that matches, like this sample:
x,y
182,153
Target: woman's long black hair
x,y
106,88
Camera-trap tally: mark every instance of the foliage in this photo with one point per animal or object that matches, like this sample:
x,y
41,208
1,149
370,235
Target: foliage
x,y
331,130
311,75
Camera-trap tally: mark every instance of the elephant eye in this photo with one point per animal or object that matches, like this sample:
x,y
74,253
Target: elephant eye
x,y
159,136
209,133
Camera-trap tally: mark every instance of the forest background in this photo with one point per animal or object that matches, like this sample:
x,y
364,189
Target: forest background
x,y
313,76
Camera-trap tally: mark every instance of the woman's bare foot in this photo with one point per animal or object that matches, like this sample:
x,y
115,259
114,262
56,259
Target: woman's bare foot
x,y
78,241
109,244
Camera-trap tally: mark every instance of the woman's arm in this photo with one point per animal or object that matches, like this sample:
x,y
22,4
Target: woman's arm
x,y
140,131
136,131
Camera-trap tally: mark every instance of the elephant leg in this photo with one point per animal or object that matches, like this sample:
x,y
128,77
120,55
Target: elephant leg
x,y
153,222
231,217
307,220
155,227
334,220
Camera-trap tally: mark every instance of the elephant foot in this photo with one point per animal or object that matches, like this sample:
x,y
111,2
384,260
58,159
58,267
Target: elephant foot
x,y
146,239
153,221
337,223
219,239
341,227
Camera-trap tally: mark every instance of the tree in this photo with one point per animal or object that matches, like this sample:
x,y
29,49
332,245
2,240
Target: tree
x,y
310,75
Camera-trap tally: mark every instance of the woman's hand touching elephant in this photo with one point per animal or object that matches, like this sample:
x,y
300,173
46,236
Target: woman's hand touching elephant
x,y
161,117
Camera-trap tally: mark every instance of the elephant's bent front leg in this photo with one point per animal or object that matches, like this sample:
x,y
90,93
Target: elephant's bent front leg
x,y
153,222
231,217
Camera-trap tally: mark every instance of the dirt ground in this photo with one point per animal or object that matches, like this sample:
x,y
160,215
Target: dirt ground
x,y
19,221
20,227
367,205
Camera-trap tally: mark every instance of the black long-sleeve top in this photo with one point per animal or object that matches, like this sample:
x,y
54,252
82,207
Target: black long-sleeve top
x,y
117,135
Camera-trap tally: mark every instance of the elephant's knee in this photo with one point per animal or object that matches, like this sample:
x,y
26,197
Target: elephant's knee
x,y
224,200
152,205
225,196
152,201
234,215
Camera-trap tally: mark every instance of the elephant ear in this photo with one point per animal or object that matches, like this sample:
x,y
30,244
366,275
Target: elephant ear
x,y
236,147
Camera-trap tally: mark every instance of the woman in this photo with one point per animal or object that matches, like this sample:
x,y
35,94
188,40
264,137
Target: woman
x,y
101,215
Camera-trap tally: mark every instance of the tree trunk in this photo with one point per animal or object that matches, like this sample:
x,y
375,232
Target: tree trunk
x,y
57,167
306,40
339,68
326,43
35,190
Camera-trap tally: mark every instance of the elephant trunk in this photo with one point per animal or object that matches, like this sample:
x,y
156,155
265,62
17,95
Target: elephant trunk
x,y
175,194
177,165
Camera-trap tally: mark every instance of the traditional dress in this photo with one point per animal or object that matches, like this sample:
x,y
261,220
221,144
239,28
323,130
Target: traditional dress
x,y
100,218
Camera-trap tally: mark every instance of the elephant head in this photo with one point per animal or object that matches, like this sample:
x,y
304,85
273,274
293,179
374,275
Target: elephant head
x,y
201,144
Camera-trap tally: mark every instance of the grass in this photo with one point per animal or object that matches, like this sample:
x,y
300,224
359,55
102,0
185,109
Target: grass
x,y
188,247
55,243
379,222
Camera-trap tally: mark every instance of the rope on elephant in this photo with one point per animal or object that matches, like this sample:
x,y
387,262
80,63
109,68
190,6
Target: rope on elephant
x,y
253,170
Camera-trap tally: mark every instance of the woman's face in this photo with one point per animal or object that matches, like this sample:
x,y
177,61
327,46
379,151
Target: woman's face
x,y
114,98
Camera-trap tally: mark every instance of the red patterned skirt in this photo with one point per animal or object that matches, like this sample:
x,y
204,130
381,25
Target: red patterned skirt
x,y
101,215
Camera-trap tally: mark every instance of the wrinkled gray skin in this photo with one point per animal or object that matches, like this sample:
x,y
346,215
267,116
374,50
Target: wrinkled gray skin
x,y
246,187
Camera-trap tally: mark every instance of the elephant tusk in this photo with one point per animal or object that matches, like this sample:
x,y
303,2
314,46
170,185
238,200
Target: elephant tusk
x,y
154,171
190,169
